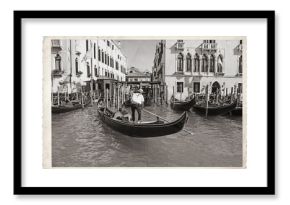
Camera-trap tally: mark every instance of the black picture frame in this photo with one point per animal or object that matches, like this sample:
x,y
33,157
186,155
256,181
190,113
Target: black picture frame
x,y
268,190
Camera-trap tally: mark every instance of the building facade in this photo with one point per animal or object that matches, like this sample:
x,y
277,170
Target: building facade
x,y
185,67
134,75
80,63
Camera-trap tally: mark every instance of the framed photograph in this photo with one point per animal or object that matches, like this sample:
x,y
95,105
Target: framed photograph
x,y
144,102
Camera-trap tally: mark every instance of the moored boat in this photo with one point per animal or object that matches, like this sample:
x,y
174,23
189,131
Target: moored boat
x,y
214,109
144,129
237,111
67,108
182,105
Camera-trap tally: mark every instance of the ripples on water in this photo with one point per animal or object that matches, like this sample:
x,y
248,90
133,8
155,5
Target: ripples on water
x,y
79,139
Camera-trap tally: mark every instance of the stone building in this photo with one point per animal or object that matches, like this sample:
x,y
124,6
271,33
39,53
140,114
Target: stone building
x,y
80,63
184,67
134,75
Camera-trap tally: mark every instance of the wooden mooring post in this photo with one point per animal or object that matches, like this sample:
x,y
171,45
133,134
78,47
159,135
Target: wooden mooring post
x,y
158,94
166,94
206,98
82,98
118,99
173,95
107,97
232,94
57,95
153,93
114,96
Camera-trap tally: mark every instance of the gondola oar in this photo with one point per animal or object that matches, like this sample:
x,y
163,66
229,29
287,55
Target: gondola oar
x,y
185,130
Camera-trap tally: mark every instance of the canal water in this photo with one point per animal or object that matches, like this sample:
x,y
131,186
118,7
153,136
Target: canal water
x,y
80,139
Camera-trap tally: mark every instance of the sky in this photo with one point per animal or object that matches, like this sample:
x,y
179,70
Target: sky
x,y
139,53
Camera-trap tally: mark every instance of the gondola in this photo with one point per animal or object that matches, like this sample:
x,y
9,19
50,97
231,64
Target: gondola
x,y
237,111
144,129
182,105
214,109
65,108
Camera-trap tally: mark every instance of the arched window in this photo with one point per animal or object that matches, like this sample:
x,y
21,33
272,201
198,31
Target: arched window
x,y
241,64
196,63
57,62
180,62
220,64
204,63
77,65
188,63
211,63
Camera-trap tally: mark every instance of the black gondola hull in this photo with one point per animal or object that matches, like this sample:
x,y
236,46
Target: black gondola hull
x,y
237,111
64,109
218,110
144,130
182,105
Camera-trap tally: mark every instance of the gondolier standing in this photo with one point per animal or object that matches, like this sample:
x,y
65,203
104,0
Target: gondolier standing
x,y
137,103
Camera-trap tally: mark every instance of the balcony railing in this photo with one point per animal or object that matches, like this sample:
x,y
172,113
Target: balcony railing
x,y
79,73
219,74
55,46
209,46
57,73
56,43
179,46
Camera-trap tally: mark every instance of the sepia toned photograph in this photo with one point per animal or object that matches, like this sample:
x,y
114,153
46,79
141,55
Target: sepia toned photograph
x,y
144,102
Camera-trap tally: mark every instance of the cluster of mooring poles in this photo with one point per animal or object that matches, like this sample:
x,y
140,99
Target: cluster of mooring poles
x,y
115,97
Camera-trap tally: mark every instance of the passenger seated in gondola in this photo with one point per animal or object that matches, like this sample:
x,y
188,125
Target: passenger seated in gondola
x,y
122,114
100,103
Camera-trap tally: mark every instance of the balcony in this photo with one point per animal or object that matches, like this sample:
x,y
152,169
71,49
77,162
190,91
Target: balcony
x,y
55,43
219,74
179,45
207,48
57,73
79,73
56,46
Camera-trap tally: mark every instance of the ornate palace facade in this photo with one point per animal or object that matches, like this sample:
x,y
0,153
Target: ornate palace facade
x,y
188,66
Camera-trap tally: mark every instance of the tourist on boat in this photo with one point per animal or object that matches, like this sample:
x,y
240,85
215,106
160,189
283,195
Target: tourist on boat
x,y
122,114
137,103
100,103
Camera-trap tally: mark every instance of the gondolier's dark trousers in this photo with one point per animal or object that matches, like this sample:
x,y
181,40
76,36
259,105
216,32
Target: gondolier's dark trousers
x,y
138,108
